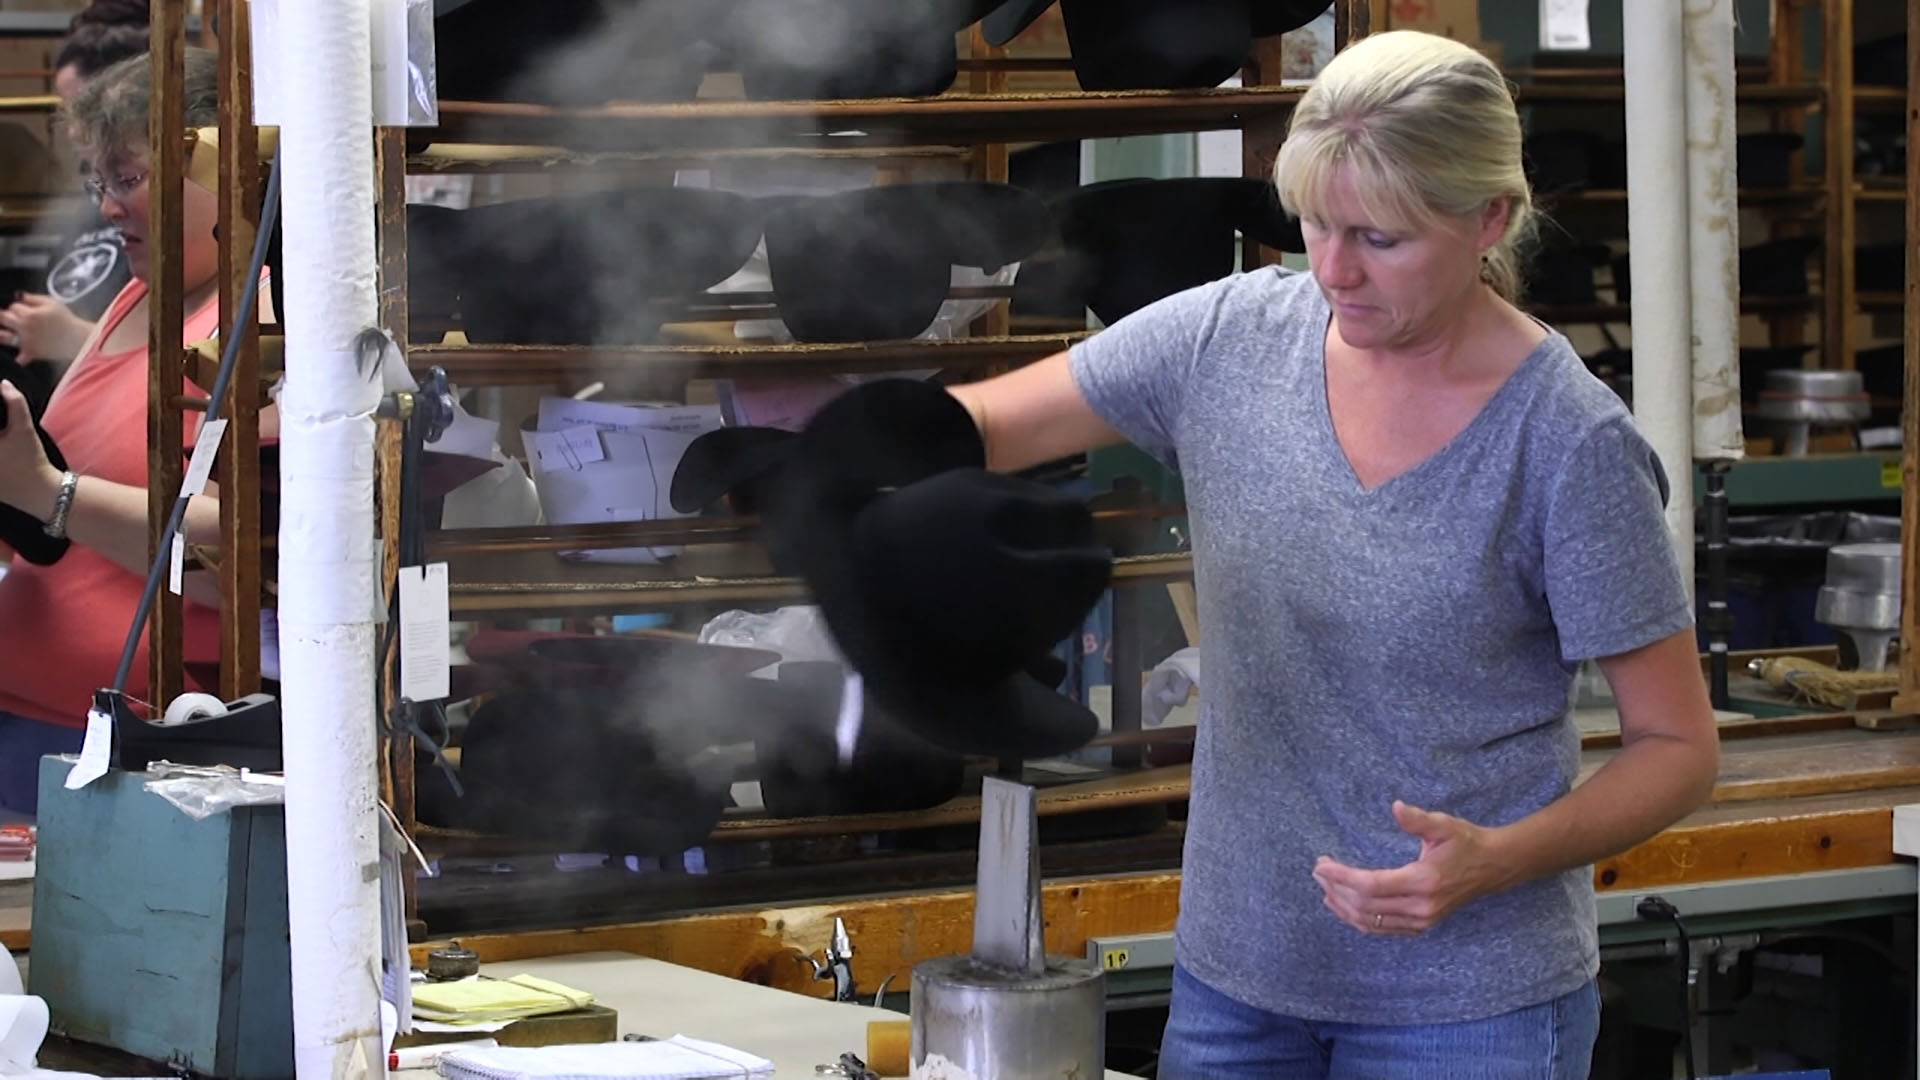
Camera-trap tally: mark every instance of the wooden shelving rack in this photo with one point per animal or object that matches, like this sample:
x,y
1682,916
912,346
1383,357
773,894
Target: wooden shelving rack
x,y
514,572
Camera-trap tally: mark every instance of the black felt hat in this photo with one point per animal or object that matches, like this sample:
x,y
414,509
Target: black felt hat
x,y
876,263
583,770
891,769
572,52
1157,44
586,269
24,533
740,463
1132,242
549,659
837,49
940,581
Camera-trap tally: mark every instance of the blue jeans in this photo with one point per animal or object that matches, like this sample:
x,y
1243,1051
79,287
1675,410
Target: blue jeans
x,y
23,743
1211,1036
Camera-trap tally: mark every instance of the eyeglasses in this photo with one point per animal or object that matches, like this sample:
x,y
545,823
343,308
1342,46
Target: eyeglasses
x,y
120,187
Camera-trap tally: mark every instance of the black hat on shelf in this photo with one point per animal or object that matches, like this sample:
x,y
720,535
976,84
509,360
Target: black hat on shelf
x,y
587,269
845,49
1881,61
737,463
1562,272
890,770
1880,267
1564,160
1157,44
574,53
1777,267
1762,158
541,659
941,582
876,263
586,770
1129,243
433,271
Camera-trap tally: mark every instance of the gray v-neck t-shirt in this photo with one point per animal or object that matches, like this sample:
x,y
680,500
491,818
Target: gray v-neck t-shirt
x,y
1416,641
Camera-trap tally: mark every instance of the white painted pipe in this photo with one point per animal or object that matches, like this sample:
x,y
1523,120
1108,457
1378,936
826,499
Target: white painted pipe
x,y
328,606
1657,250
1713,230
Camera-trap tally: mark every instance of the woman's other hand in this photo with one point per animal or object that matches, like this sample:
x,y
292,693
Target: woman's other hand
x,y
1458,862
28,481
43,328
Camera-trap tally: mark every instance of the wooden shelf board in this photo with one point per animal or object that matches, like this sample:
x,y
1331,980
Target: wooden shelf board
x,y
525,365
1757,94
485,158
603,587
26,211
1870,191
1879,97
950,119
1746,195
717,529
1581,313
1881,301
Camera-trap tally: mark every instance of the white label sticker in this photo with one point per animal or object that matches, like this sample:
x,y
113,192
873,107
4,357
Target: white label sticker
x,y
425,640
94,752
1564,26
200,465
177,564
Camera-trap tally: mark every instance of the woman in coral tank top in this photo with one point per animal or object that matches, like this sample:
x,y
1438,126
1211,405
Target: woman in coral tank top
x,y
62,627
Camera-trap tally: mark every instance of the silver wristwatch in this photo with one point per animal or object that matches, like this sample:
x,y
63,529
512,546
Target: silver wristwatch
x,y
56,526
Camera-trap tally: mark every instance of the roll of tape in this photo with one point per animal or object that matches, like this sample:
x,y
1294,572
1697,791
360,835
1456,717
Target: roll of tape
x,y
188,708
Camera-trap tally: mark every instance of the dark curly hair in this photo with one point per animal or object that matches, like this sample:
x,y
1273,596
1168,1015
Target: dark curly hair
x,y
106,32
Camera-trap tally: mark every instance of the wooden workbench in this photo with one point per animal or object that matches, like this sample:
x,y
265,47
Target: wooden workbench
x,y
1788,801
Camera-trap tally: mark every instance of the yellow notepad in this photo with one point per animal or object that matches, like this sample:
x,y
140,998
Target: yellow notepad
x,y
483,1000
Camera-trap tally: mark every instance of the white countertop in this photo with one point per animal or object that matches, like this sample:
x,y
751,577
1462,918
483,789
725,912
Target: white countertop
x,y
660,1000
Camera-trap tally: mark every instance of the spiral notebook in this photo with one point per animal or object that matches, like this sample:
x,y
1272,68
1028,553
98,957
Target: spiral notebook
x,y
678,1058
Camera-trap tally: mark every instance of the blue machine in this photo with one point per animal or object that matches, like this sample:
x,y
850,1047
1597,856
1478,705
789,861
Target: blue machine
x,y
159,935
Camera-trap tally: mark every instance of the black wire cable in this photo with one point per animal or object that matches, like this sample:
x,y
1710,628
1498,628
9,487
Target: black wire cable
x,y
230,353
1655,907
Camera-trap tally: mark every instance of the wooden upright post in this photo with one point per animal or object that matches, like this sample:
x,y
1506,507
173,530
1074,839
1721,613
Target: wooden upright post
x,y
1837,278
1908,700
239,460
166,367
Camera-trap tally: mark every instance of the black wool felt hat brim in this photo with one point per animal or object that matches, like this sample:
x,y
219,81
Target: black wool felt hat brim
x,y
863,447
875,264
571,52
1006,22
577,768
585,269
1156,45
728,461
839,49
1149,239
891,769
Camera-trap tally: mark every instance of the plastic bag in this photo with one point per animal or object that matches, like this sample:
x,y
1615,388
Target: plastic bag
x,y
796,633
201,791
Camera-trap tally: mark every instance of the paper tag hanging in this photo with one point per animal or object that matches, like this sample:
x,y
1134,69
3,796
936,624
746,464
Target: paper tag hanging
x,y
425,636
95,752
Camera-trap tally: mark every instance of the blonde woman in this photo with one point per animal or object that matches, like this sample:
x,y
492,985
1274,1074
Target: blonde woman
x,y
1414,513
